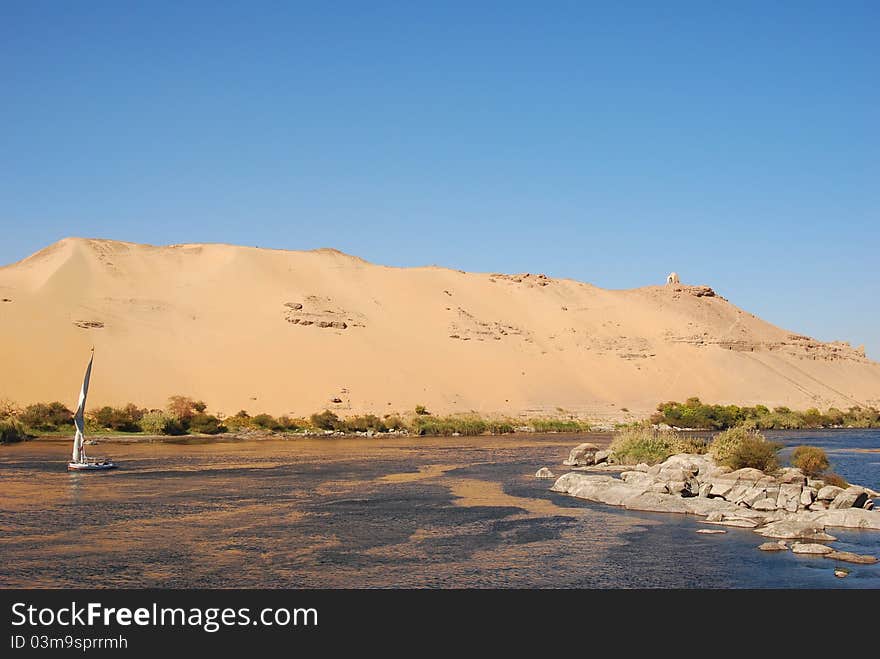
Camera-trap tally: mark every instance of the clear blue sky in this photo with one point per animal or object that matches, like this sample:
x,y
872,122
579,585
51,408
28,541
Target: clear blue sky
x,y
737,143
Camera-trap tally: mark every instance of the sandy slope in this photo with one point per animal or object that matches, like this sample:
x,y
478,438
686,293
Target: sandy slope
x,y
211,321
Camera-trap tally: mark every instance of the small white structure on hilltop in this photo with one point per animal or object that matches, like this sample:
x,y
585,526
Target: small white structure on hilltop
x,y
672,279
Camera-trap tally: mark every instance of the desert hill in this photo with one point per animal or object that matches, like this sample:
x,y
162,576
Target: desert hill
x,y
290,332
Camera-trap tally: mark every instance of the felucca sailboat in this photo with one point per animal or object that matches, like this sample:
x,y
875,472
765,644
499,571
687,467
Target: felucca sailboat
x,y
80,461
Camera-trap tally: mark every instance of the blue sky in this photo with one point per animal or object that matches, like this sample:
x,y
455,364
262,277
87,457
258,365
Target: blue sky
x,y
736,143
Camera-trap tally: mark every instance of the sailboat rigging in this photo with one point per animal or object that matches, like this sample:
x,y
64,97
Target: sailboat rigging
x,y
79,460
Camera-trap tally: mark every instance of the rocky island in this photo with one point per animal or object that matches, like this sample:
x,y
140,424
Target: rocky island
x,y
787,505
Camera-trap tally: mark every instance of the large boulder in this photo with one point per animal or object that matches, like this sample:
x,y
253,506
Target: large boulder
x,y
602,456
789,529
807,496
849,557
764,504
582,455
810,548
851,497
779,545
828,492
851,518
543,472
792,475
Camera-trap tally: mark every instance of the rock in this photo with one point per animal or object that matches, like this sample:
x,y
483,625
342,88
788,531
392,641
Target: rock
x,y
818,505
642,466
704,490
721,488
840,574
789,529
293,305
323,323
810,548
807,496
654,470
746,474
674,474
869,504
715,516
773,546
851,497
828,493
543,472
637,480
602,456
739,522
659,487
338,324
764,504
849,557
582,455
815,483
752,495
711,531
851,518
676,487
792,475
789,497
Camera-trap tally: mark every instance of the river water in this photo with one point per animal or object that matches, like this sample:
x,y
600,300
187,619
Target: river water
x,y
390,512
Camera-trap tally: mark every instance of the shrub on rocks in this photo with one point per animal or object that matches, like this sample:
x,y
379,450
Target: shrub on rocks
x,y
739,447
809,459
644,444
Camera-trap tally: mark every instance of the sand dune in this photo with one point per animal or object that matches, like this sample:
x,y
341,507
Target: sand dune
x,y
288,332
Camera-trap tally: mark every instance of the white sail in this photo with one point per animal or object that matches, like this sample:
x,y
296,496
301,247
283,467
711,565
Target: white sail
x,y
79,453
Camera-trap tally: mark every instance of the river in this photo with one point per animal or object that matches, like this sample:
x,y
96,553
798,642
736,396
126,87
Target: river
x,y
389,512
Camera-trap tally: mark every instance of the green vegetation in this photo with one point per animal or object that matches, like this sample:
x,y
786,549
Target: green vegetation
x,y
809,459
121,419
159,423
449,425
558,425
421,411
46,417
642,443
11,431
326,420
740,447
695,414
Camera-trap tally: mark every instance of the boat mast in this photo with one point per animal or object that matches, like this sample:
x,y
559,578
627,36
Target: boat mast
x,y
79,451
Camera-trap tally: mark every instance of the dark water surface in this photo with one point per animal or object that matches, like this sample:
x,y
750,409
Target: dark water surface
x,y
404,512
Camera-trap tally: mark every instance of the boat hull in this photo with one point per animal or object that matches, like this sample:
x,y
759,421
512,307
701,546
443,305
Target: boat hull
x,y
90,466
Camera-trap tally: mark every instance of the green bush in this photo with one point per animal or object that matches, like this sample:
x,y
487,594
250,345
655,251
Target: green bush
x,y
695,414
184,408
286,423
266,422
450,425
644,444
239,421
157,422
499,427
364,423
206,424
11,431
46,417
558,425
394,422
421,411
121,419
739,447
326,420
809,459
